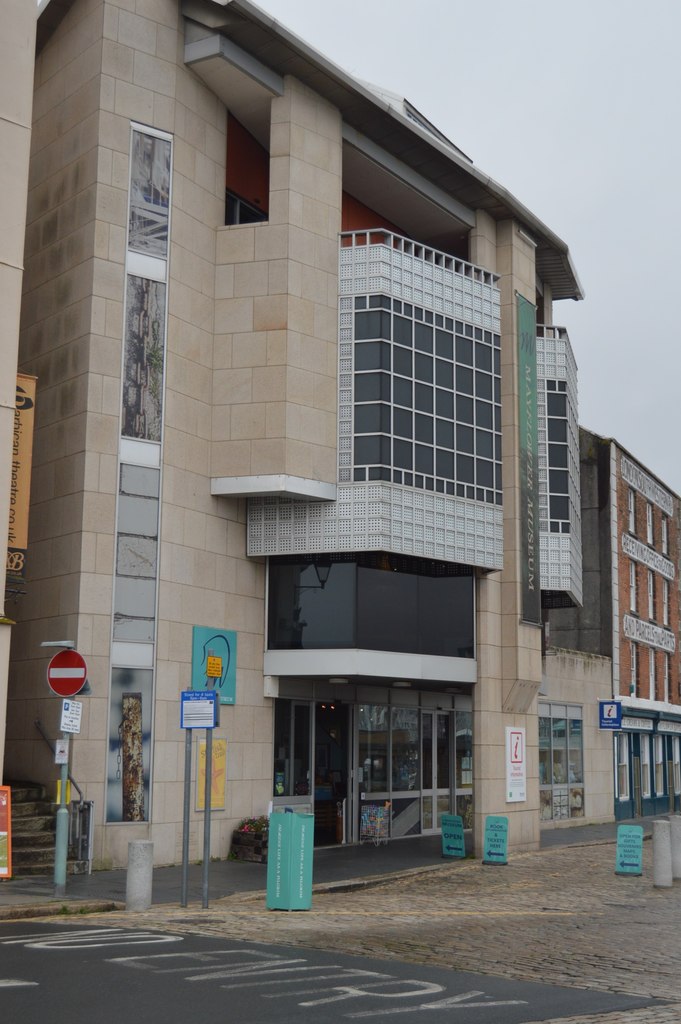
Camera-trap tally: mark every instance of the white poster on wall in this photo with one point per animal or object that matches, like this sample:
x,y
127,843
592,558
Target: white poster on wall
x,y
516,766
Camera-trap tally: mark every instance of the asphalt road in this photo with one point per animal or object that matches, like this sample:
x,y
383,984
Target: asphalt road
x,y
63,973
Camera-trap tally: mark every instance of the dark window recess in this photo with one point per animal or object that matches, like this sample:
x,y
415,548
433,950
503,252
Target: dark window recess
x,y
444,433
483,414
423,368
402,392
402,423
556,405
465,469
559,507
444,374
371,419
402,331
423,337
372,387
444,345
423,428
464,380
484,444
558,481
444,464
238,211
485,473
465,439
483,385
403,457
464,409
402,361
372,450
557,430
372,324
558,456
371,601
423,398
483,357
424,459
464,351
444,404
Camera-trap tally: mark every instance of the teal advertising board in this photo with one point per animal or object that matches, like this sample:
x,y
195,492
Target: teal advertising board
x,y
289,861
214,662
629,855
453,844
495,849
529,460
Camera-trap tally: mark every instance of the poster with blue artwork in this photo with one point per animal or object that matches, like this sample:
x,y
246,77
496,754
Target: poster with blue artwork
x,y
214,662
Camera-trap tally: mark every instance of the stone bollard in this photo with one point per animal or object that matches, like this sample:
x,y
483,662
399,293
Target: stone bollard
x,y
675,822
662,854
140,874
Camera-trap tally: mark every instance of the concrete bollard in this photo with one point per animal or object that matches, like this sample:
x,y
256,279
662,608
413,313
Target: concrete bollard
x,y
675,822
662,854
140,875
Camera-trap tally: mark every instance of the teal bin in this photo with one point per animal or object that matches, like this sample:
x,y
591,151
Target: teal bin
x,y
289,861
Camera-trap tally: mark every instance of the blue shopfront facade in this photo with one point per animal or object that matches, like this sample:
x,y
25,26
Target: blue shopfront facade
x,y
647,764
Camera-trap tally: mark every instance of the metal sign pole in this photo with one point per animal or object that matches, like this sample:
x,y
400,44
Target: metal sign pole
x,y
61,844
185,815
206,815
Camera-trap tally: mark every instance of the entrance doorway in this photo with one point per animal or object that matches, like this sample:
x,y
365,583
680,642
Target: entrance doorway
x,y
331,734
436,746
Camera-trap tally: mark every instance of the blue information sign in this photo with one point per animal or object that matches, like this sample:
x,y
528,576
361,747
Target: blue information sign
x,y
199,710
609,714
495,849
629,857
453,844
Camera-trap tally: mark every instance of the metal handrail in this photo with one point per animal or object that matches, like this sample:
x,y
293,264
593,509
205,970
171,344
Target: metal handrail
x,y
50,744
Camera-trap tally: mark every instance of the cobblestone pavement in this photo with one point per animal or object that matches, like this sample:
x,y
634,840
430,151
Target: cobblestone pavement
x,y
560,916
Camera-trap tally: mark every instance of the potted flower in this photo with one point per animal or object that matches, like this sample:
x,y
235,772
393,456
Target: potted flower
x,y
249,839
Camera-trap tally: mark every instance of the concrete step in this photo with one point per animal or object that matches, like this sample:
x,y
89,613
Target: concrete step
x,y
32,840
31,808
26,791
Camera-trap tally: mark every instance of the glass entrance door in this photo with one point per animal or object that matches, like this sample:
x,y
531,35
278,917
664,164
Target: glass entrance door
x,y
436,760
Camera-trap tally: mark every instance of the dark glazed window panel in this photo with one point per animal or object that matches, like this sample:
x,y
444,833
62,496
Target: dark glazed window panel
x,y
558,481
403,456
379,473
484,444
445,616
359,474
444,433
483,415
497,477
423,428
497,417
360,302
373,324
557,430
485,473
483,357
483,385
497,390
386,603
444,403
424,459
402,330
444,374
556,405
379,302
444,464
465,469
423,368
558,455
402,392
423,337
402,362
465,439
368,449
464,380
303,615
464,409
559,507
372,387
370,419
423,398
444,345
497,361
372,355
464,351
402,423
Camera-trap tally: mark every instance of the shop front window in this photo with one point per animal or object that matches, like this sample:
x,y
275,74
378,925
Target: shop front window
x,y
464,767
291,749
374,725
659,766
645,766
623,766
561,762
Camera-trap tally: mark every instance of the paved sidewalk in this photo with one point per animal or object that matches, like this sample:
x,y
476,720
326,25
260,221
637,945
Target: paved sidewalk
x,y
333,866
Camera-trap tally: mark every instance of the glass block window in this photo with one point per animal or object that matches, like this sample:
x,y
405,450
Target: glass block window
x,y
426,400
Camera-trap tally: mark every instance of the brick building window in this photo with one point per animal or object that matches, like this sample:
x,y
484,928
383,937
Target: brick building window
x,y
651,594
651,673
633,678
632,586
650,531
665,536
659,766
645,766
631,506
665,602
665,678
622,766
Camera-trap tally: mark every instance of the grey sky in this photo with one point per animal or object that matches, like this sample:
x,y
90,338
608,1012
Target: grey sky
x,y
575,108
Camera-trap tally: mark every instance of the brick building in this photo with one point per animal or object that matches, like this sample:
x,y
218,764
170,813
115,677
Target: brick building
x,y
631,614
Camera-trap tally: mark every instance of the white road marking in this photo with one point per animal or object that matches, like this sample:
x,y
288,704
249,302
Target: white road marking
x,y
16,983
459,1002
354,992
92,939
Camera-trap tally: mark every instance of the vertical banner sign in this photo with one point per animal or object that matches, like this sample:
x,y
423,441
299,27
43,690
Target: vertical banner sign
x,y
214,662
516,770
530,610
5,832
20,490
218,776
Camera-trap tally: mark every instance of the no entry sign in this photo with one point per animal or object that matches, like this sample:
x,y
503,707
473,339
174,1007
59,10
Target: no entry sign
x,y
67,673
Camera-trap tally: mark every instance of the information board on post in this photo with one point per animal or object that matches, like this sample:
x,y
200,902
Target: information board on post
x,y
629,854
71,715
453,842
5,832
199,709
495,848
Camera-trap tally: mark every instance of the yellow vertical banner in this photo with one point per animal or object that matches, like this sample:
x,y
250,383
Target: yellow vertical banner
x,y
218,776
20,489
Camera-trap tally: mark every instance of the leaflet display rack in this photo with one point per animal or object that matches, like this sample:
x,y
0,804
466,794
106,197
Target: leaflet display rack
x,y
374,824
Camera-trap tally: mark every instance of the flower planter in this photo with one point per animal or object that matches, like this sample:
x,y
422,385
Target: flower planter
x,y
249,846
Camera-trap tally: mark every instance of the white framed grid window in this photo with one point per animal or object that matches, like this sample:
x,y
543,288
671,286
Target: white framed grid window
x,y
651,673
659,765
650,530
632,587
664,540
633,677
676,758
645,766
651,594
622,754
631,507
665,602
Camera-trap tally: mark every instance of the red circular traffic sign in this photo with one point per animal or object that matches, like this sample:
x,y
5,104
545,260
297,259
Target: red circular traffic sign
x,y
67,673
